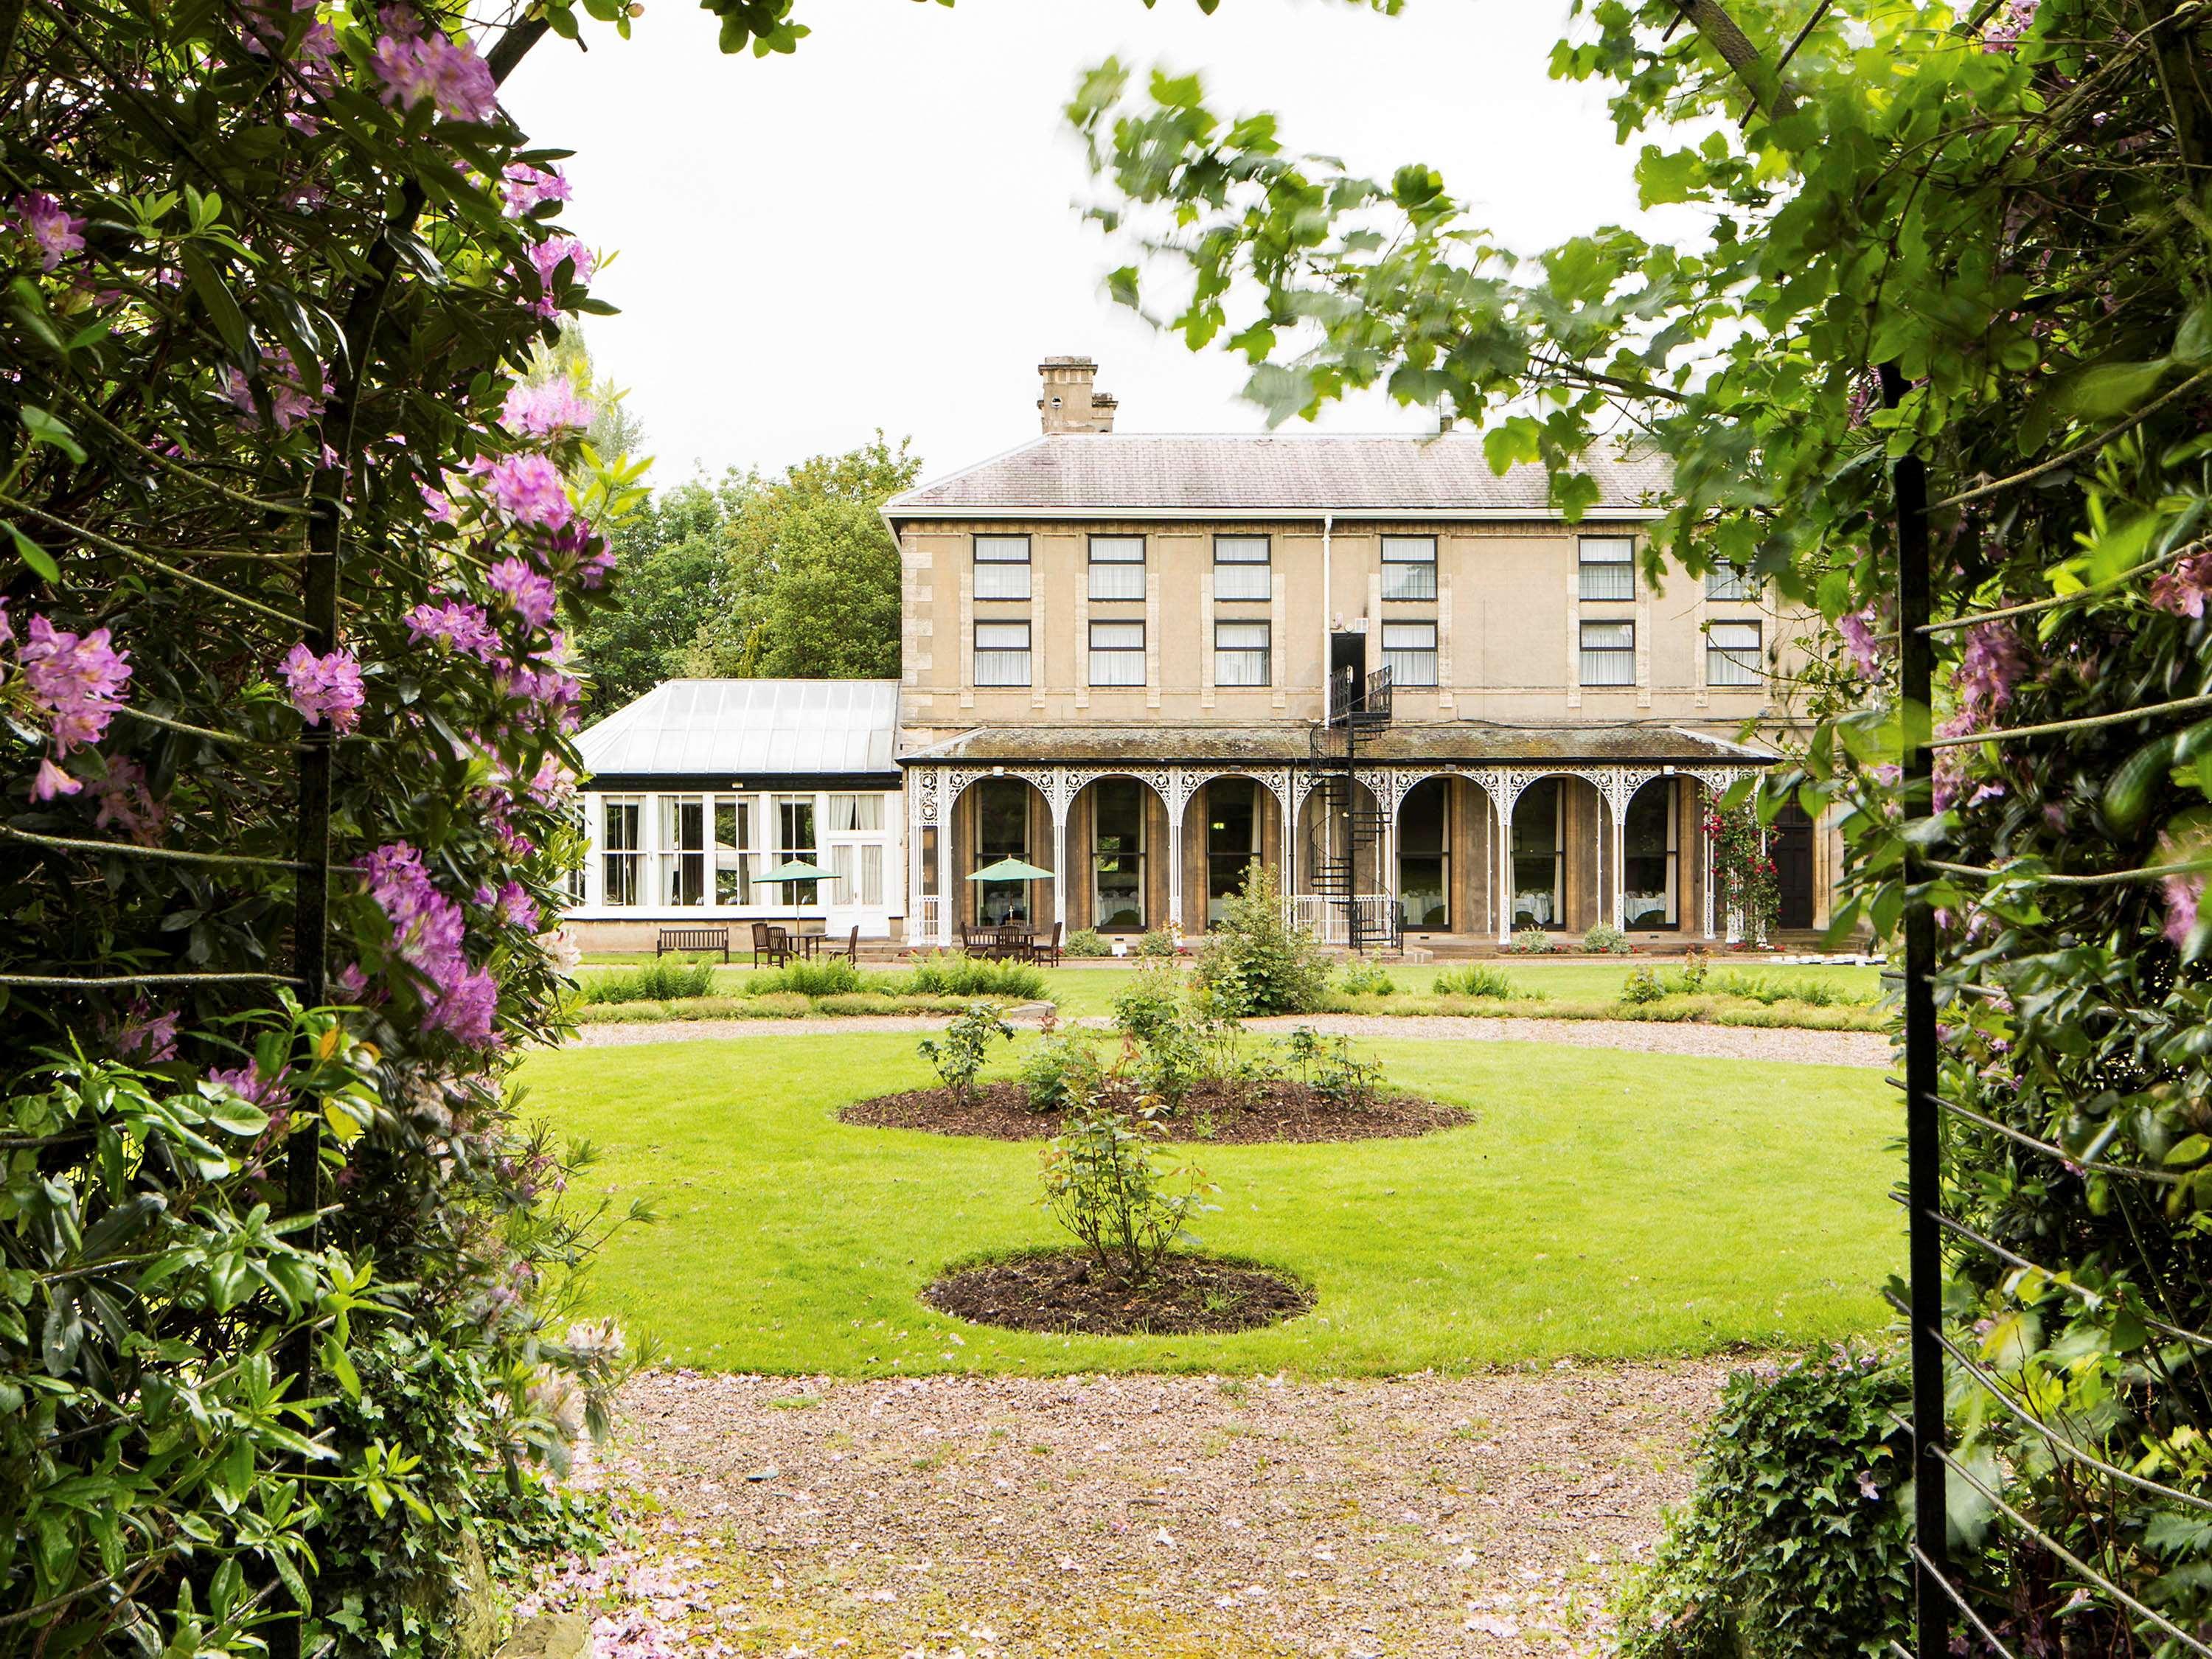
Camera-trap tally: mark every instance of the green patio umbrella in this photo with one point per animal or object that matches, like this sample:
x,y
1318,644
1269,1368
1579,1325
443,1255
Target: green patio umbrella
x,y
798,870
1011,870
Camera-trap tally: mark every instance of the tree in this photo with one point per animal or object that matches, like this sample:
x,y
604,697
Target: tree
x,y
613,432
674,559
813,572
1947,301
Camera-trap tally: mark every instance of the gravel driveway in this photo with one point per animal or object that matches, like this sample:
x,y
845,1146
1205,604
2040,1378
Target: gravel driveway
x,y
1151,1515
1868,1049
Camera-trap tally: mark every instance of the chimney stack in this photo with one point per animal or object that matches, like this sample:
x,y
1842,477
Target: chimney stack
x,y
1069,404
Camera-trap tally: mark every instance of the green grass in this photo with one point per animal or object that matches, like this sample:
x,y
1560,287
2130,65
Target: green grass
x,y
1604,1204
1563,990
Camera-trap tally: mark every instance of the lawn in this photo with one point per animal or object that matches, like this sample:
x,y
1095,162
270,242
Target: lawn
x,y
1078,991
1604,1204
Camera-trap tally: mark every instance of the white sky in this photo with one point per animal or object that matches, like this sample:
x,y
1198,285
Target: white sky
x,y
880,229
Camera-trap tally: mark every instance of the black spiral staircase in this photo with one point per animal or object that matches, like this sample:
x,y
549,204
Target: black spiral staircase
x,y
1356,707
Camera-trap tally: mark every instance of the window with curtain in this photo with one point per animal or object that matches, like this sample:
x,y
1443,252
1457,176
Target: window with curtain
x,y
1117,654
1608,653
1730,581
1409,567
1732,653
1002,831
1117,856
1002,567
1241,653
1002,654
1232,841
621,825
1607,567
1650,861
1409,652
860,866
1117,568
1539,856
1424,855
796,840
682,850
734,847
1240,567
852,813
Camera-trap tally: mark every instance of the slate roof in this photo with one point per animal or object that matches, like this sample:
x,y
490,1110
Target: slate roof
x,y
748,729
1432,743
1133,474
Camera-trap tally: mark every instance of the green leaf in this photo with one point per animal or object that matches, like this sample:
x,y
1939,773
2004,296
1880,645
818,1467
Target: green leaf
x,y
236,1113
46,428
2109,389
222,306
2189,1149
32,553
2192,341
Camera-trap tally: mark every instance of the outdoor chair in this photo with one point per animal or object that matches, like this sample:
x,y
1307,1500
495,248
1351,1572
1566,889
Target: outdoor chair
x,y
773,943
851,951
1044,948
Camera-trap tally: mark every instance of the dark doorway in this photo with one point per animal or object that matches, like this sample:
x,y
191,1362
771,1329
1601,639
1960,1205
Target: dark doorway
x,y
1348,653
1792,844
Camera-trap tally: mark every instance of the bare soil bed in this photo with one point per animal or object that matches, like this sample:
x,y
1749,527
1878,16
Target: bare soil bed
x,y
1065,1291
1287,1110
1149,1517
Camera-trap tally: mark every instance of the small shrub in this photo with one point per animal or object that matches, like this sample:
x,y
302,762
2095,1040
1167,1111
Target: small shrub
x,y
1695,967
1060,1074
1106,1182
959,1055
831,977
1329,1068
1770,989
1255,962
1794,1544
1643,986
1479,980
1606,939
1159,943
1178,1035
952,973
1531,942
1368,979
1148,1005
1086,942
653,981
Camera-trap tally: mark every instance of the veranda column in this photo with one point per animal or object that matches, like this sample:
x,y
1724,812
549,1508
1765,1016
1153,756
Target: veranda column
x,y
1058,801
916,865
1175,801
1618,802
945,804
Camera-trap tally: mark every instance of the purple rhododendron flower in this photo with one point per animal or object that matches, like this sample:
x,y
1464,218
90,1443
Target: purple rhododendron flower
x,y
1994,662
526,186
326,686
434,65
528,488
247,1081
79,681
456,624
2182,894
2183,590
440,503
549,256
526,593
428,930
2003,31
50,780
290,399
539,411
127,802
1857,629
148,1036
57,232
516,908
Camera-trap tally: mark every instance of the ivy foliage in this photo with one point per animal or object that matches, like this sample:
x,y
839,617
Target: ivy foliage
x,y
1966,243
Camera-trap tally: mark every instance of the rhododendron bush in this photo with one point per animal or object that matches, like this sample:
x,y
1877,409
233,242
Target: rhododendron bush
x,y
286,565
1905,245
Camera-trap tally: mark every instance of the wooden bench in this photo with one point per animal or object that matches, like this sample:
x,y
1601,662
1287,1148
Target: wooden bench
x,y
693,939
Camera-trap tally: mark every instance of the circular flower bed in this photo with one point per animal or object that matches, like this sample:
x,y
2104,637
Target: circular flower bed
x,y
1067,1292
1236,1112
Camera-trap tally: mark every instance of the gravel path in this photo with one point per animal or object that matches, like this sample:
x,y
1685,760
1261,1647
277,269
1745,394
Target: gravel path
x,y
1867,1048
1002,1518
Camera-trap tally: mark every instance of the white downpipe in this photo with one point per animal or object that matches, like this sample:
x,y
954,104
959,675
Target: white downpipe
x,y
1328,559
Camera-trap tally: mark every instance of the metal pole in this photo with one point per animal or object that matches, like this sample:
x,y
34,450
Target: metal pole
x,y
1924,1128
